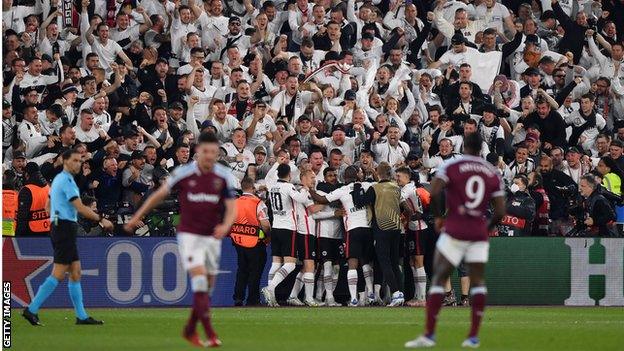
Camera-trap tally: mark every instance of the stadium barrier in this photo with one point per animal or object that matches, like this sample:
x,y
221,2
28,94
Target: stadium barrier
x,y
133,272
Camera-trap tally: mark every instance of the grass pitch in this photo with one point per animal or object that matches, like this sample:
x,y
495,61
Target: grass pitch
x,y
504,328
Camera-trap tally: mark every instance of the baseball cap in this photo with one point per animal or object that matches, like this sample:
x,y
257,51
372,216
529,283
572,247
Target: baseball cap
x,y
413,156
304,118
27,90
260,149
69,88
176,106
136,155
531,71
46,57
207,124
349,95
457,39
532,137
19,154
234,19
130,132
5,104
573,149
338,127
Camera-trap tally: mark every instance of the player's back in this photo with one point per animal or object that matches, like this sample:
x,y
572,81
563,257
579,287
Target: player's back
x,y
356,217
471,182
282,205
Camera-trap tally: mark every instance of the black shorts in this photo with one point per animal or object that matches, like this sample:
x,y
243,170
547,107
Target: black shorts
x,y
283,243
306,247
63,235
359,244
415,242
330,249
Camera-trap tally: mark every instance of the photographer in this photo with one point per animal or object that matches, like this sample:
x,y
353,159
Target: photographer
x,y
520,209
562,193
598,215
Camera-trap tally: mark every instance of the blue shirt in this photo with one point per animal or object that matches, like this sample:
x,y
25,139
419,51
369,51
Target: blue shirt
x,y
63,191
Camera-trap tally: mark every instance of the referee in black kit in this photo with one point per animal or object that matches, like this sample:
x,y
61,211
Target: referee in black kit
x,y
385,196
64,206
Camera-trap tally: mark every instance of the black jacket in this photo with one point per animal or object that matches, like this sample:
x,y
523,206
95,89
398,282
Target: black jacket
x,y
521,206
561,189
601,212
552,128
574,37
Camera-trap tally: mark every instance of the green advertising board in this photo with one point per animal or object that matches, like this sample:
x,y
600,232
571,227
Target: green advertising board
x,y
556,271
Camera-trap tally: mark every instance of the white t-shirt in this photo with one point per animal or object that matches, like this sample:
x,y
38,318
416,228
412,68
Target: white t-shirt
x,y
107,53
347,148
263,126
455,59
495,18
224,131
356,217
239,168
305,223
201,110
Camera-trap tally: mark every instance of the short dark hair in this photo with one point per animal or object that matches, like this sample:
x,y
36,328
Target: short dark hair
x,y
206,137
247,184
473,143
283,170
68,153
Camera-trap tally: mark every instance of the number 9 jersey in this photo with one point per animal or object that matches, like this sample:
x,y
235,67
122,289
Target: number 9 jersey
x,y
471,183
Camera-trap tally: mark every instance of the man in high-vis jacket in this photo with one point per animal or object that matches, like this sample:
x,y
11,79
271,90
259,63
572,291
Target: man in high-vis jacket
x,y
248,236
32,217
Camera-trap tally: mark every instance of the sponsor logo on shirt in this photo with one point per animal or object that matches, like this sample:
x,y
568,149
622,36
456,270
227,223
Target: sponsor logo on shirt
x,y
202,197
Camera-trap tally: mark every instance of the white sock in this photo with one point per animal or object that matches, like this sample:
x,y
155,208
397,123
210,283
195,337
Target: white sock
x,y
415,278
320,287
421,277
308,281
281,274
328,280
362,296
352,280
294,293
274,267
367,270
377,291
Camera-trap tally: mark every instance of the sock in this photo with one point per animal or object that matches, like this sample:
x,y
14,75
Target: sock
x,y
328,280
478,306
45,290
464,296
335,274
308,282
294,293
377,290
320,287
274,267
421,279
199,284
367,270
434,303
281,274
352,280
75,293
201,307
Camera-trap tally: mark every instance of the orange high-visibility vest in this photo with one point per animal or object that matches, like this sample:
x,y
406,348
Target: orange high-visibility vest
x,y
246,228
9,212
38,217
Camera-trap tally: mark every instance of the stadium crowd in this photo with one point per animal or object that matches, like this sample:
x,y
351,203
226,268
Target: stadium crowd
x,y
331,87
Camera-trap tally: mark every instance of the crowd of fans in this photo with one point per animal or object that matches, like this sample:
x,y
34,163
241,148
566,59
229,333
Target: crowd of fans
x,y
318,84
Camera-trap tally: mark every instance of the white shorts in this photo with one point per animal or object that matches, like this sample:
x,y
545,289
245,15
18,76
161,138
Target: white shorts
x,y
457,250
199,250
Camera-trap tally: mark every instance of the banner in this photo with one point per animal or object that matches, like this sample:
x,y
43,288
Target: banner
x,y
144,271
485,67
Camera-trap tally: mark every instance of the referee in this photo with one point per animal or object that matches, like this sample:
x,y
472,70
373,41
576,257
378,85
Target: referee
x,y
64,205
385,197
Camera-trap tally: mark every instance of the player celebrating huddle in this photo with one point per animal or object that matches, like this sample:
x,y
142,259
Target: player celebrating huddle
x,y
471,183
359,241
207,209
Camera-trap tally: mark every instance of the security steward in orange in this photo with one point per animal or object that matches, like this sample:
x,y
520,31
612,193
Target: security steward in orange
x,y
32,217
249,236
9,203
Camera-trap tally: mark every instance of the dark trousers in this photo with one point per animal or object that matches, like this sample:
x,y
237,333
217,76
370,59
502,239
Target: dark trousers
x,y
387,251
251,263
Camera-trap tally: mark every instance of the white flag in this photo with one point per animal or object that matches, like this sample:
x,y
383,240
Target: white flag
x,y
485,66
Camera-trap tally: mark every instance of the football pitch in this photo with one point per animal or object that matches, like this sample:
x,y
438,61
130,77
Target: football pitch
x,y
504,328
